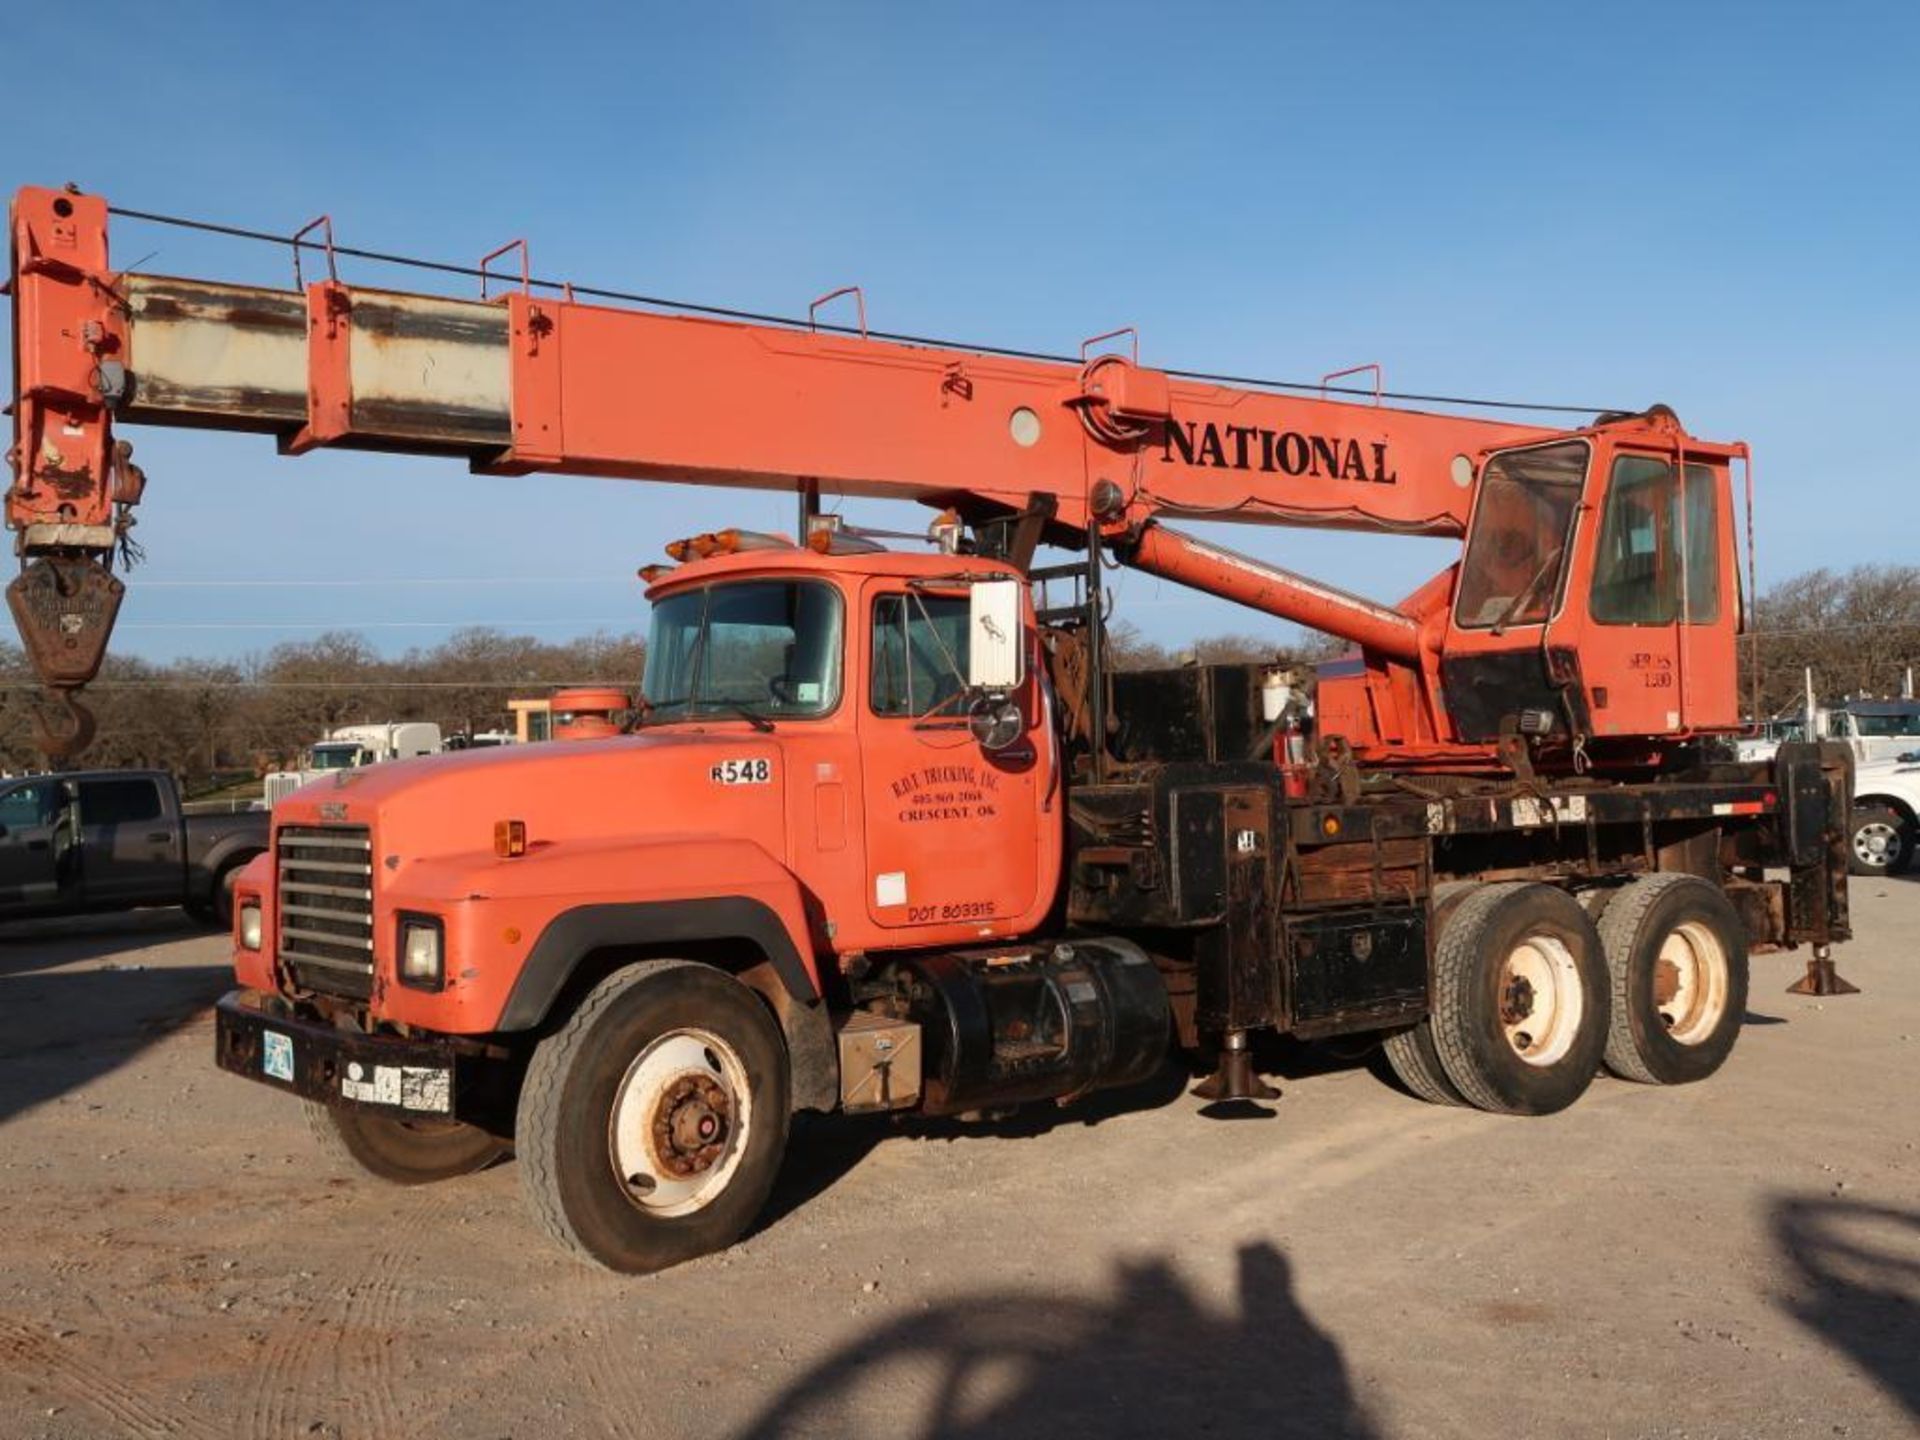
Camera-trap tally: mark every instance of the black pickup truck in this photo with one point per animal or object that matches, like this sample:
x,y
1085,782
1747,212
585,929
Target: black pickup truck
x,y
116,839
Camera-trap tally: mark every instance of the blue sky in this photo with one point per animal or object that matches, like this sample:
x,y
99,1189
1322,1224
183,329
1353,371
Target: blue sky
x,y
1708,205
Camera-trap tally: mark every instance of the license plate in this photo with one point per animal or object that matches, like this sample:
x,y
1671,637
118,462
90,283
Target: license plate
x,y
276,1055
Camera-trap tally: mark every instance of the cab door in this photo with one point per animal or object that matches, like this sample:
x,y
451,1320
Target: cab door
x,y
956,844
36,849
130,841
1660,583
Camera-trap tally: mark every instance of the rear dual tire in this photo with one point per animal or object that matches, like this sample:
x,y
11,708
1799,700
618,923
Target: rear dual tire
x,y
1520,1004
1677,954
1531,993
1521,1000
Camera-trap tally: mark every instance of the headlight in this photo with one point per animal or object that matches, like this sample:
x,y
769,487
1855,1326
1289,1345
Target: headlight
x,y
422,943
250,924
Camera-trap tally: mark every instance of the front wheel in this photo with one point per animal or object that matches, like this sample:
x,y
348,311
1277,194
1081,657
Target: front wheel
x,y
402,1152
652,1124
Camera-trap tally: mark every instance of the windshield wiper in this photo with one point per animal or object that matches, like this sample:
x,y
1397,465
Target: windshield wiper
x,y
746,712
686,707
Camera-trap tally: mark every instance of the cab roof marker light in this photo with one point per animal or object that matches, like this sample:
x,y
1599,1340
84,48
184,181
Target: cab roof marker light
x,y
945,532
755,540
842,542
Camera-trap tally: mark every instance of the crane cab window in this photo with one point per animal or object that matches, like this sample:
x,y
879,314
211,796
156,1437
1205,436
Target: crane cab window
x,y
919,654
1522,526
1659,552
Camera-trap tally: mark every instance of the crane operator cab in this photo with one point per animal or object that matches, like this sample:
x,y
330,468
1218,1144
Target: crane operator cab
x,y
1598,594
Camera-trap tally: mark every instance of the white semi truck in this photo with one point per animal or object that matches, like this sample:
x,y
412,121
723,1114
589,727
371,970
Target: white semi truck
x,y
347,747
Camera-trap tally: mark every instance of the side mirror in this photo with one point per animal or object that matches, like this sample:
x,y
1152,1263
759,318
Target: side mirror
x,y
993,635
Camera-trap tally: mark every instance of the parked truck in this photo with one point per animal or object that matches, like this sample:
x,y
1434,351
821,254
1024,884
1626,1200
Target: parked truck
x,y
1885,828
348,747
94,840
890,833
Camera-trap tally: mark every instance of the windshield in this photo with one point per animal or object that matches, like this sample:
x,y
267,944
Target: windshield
x,y
1887,726
336,757
771,647
1518,552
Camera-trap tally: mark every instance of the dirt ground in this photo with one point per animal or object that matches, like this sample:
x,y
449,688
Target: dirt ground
x,y
1740,1258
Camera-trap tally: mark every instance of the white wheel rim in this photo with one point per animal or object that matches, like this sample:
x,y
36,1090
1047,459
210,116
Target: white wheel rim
x,y
1876,843
1540,999
1690,983
680,1123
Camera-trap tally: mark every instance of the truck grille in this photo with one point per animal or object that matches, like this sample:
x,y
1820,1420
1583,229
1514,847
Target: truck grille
x,y
326,906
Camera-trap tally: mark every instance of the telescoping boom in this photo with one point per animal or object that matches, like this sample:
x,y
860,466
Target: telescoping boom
x,y
1611,640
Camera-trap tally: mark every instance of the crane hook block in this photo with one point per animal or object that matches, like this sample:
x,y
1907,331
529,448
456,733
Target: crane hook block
x,y
65,606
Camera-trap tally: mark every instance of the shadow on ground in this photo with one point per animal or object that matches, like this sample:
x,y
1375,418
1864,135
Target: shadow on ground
x,y
825,1149
1859,1271
70,1014
30,945
1153,1360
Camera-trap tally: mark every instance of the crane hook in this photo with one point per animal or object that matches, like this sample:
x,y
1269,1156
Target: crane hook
x,y
62,726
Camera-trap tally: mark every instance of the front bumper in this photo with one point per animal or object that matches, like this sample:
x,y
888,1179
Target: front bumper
x,y
385,1074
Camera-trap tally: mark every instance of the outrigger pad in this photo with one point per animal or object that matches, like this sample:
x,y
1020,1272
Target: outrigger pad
x,y
64,607
1822,979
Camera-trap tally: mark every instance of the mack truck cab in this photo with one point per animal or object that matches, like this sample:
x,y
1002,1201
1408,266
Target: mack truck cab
x,y
632,958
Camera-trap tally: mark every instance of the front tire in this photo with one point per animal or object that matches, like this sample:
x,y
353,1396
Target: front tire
x,y
1677,952
402,1152
1520,1006
1881,843
652,1124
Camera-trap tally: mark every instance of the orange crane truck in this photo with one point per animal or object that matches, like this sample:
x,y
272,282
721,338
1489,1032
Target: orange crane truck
x,y
888,832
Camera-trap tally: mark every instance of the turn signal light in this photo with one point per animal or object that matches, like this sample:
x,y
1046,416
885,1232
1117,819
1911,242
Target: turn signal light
x,y
509,838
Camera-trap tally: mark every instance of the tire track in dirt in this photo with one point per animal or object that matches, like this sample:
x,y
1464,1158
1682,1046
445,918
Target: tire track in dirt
x,y
334,1358
612,1385
596,1359
35,1355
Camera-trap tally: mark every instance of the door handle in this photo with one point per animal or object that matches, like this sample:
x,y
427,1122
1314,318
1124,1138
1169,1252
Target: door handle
x,y
160,837
39,845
